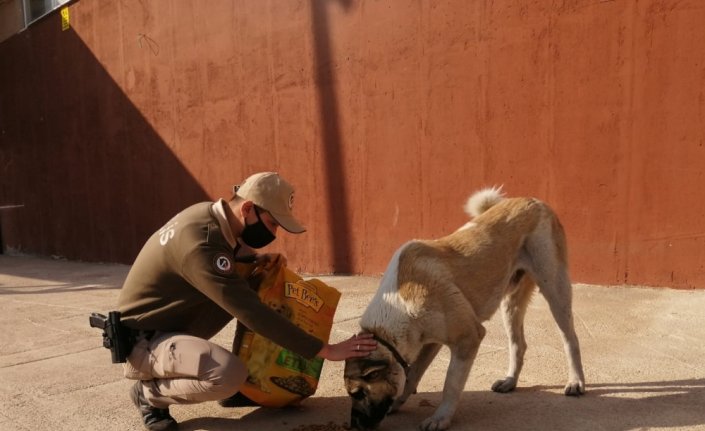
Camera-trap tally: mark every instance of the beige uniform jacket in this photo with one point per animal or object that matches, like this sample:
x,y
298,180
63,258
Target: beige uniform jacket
x,y
184,280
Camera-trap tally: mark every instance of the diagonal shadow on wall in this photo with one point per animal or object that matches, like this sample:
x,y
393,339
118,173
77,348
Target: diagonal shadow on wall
x,y
94,177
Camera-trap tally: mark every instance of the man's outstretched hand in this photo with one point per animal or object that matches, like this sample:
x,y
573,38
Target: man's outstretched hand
x,y
356,346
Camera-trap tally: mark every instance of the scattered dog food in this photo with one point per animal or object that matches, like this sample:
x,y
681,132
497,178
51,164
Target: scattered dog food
x,y
330,426
294,384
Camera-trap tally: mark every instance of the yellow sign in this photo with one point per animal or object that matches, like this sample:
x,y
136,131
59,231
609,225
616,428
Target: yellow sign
x,y
65,24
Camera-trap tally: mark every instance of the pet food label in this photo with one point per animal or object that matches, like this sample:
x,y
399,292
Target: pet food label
x,y
303,294
276,376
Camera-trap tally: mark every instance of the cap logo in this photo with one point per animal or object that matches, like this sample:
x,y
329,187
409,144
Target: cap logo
x,y
222,264
291,200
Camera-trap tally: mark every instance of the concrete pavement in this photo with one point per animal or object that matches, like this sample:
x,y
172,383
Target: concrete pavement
x,y
642,349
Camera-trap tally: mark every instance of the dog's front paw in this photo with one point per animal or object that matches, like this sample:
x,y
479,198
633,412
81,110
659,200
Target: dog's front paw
x,y
435,423
504,386
574,389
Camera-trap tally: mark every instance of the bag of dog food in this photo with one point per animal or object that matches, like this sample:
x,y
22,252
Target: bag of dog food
x,y
278,377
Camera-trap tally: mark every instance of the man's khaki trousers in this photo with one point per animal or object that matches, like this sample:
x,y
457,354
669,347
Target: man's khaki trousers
x,y
183,369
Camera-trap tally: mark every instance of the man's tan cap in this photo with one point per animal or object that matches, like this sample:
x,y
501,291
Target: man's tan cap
x,y
272,193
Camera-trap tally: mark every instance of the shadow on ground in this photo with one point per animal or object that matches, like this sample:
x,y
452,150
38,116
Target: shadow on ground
x,y
609,406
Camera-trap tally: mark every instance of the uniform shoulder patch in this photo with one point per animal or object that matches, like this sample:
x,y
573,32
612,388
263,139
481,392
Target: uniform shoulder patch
x,y
223,264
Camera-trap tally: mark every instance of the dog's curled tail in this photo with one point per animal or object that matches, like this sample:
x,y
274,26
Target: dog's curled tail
x,y
483,200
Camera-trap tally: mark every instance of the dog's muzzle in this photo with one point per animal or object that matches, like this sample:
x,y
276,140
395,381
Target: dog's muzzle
x,y
360,421
363,420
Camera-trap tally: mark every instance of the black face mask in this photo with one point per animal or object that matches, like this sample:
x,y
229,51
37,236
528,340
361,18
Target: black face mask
x,y
256,235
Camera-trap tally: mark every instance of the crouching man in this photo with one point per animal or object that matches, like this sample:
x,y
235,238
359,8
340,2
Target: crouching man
x,y
184,287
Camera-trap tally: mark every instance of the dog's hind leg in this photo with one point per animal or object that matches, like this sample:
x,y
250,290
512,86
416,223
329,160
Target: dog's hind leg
x,y
513,311
559,298
548,251
416,371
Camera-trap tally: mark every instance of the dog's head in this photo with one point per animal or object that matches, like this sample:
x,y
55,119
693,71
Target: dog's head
x,y
373,383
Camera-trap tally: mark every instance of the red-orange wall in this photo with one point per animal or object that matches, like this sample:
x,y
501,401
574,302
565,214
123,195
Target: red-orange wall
x,y
386,115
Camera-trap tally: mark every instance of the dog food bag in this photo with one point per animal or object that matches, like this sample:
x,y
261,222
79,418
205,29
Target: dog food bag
x,y
278,377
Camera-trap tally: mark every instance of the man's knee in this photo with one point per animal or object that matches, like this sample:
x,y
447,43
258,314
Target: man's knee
x,y
228,377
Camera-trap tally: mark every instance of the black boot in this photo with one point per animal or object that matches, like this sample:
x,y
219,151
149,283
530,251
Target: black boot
x,y
154,419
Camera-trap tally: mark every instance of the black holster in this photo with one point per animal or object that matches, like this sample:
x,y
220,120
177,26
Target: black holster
x,y
116,337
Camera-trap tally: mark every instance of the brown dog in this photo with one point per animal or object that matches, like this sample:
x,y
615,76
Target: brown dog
x,y
438,292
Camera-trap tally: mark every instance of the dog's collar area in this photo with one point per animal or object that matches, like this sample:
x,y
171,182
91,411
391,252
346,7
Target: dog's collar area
x,y
394,351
